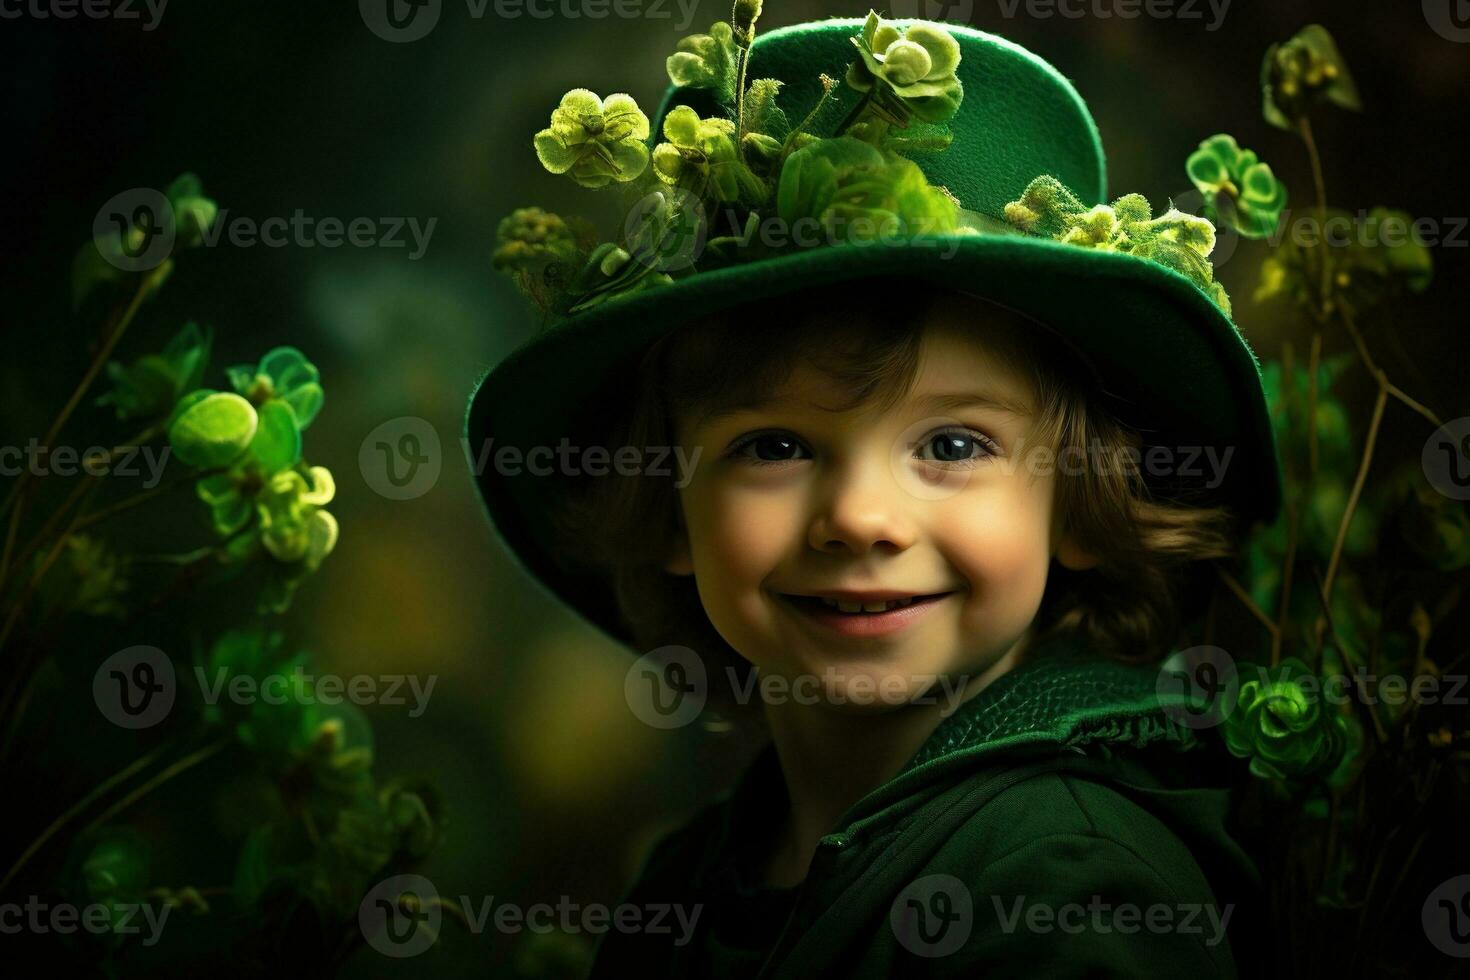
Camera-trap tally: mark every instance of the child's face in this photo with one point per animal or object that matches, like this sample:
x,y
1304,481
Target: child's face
x,y
929,498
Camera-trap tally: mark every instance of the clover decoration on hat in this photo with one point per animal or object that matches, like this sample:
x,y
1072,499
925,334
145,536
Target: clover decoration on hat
x,y
859,184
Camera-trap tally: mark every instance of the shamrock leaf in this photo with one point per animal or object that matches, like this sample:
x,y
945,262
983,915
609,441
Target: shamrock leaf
x,y
193,212
212,428
283,373
153,384
1238,188
706,61
700,156
909,71
596,142
1280,723
1302,71
857,192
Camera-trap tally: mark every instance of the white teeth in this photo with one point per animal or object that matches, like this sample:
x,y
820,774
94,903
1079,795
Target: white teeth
x,y
846,606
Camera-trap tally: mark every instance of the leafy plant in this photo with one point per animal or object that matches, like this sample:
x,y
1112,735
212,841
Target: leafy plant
x,y
319,829
1359,585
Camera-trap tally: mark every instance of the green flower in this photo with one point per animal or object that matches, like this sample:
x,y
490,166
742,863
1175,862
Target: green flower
x,y
700,155
105,259
193,212
595,141
857,192
706,61
530,239
1280,724
1236,186
293,526
908,71
1374,257
1179,241
283,373
151,386
211,428
1301,72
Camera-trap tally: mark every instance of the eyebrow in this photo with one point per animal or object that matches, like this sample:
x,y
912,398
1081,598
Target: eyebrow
x,y
982,399
946,401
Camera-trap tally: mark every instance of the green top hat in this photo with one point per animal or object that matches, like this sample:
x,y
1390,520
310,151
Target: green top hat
x,y
1012,209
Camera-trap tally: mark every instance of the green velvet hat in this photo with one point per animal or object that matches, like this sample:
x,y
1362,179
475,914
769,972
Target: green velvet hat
x,y
1028,228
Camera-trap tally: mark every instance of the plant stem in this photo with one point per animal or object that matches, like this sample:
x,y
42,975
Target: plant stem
x,y
1247,601
18,493
1350,322
97,792
1352,504
20,602
1313,363
183,765
1305,129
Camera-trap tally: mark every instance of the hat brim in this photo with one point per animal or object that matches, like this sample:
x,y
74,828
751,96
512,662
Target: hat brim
x,y
1172,364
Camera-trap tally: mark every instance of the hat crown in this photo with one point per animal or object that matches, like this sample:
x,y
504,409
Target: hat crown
x,y
1019,117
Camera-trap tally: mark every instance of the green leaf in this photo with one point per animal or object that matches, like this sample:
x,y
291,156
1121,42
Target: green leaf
x,y
762,115
277,441
213,430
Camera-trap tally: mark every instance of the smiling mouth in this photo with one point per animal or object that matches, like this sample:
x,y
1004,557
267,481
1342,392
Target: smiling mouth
x,y
851,607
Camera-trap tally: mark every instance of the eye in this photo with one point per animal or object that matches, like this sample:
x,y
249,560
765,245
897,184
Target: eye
x,y
957,448
769,448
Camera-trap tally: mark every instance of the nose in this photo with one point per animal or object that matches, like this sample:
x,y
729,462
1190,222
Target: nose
x,y
860,508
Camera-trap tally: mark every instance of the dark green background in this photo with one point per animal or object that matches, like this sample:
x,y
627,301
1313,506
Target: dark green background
x,y
552,785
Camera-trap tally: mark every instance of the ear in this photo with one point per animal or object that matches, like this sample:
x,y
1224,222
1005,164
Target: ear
x,y
1073,556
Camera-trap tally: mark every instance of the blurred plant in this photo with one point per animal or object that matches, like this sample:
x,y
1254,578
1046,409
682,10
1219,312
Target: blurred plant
x,y
1359,582
322,829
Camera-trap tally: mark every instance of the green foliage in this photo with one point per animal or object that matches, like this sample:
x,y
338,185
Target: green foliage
x,y
908,72
1281,724
1179,241
701,154
593,141
855,191
1298,73
103,264
706,61
1240,191
152,385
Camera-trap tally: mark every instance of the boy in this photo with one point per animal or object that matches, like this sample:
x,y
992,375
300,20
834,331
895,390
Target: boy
x,y
934,489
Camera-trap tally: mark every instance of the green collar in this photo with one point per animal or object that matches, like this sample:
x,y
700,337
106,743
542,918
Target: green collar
x,y
1063,698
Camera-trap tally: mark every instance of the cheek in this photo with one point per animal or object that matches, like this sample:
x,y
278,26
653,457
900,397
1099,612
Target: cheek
x,y
1000,541
737,537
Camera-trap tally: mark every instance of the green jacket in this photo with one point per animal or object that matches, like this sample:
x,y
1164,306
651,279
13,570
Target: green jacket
x,y
1058,824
